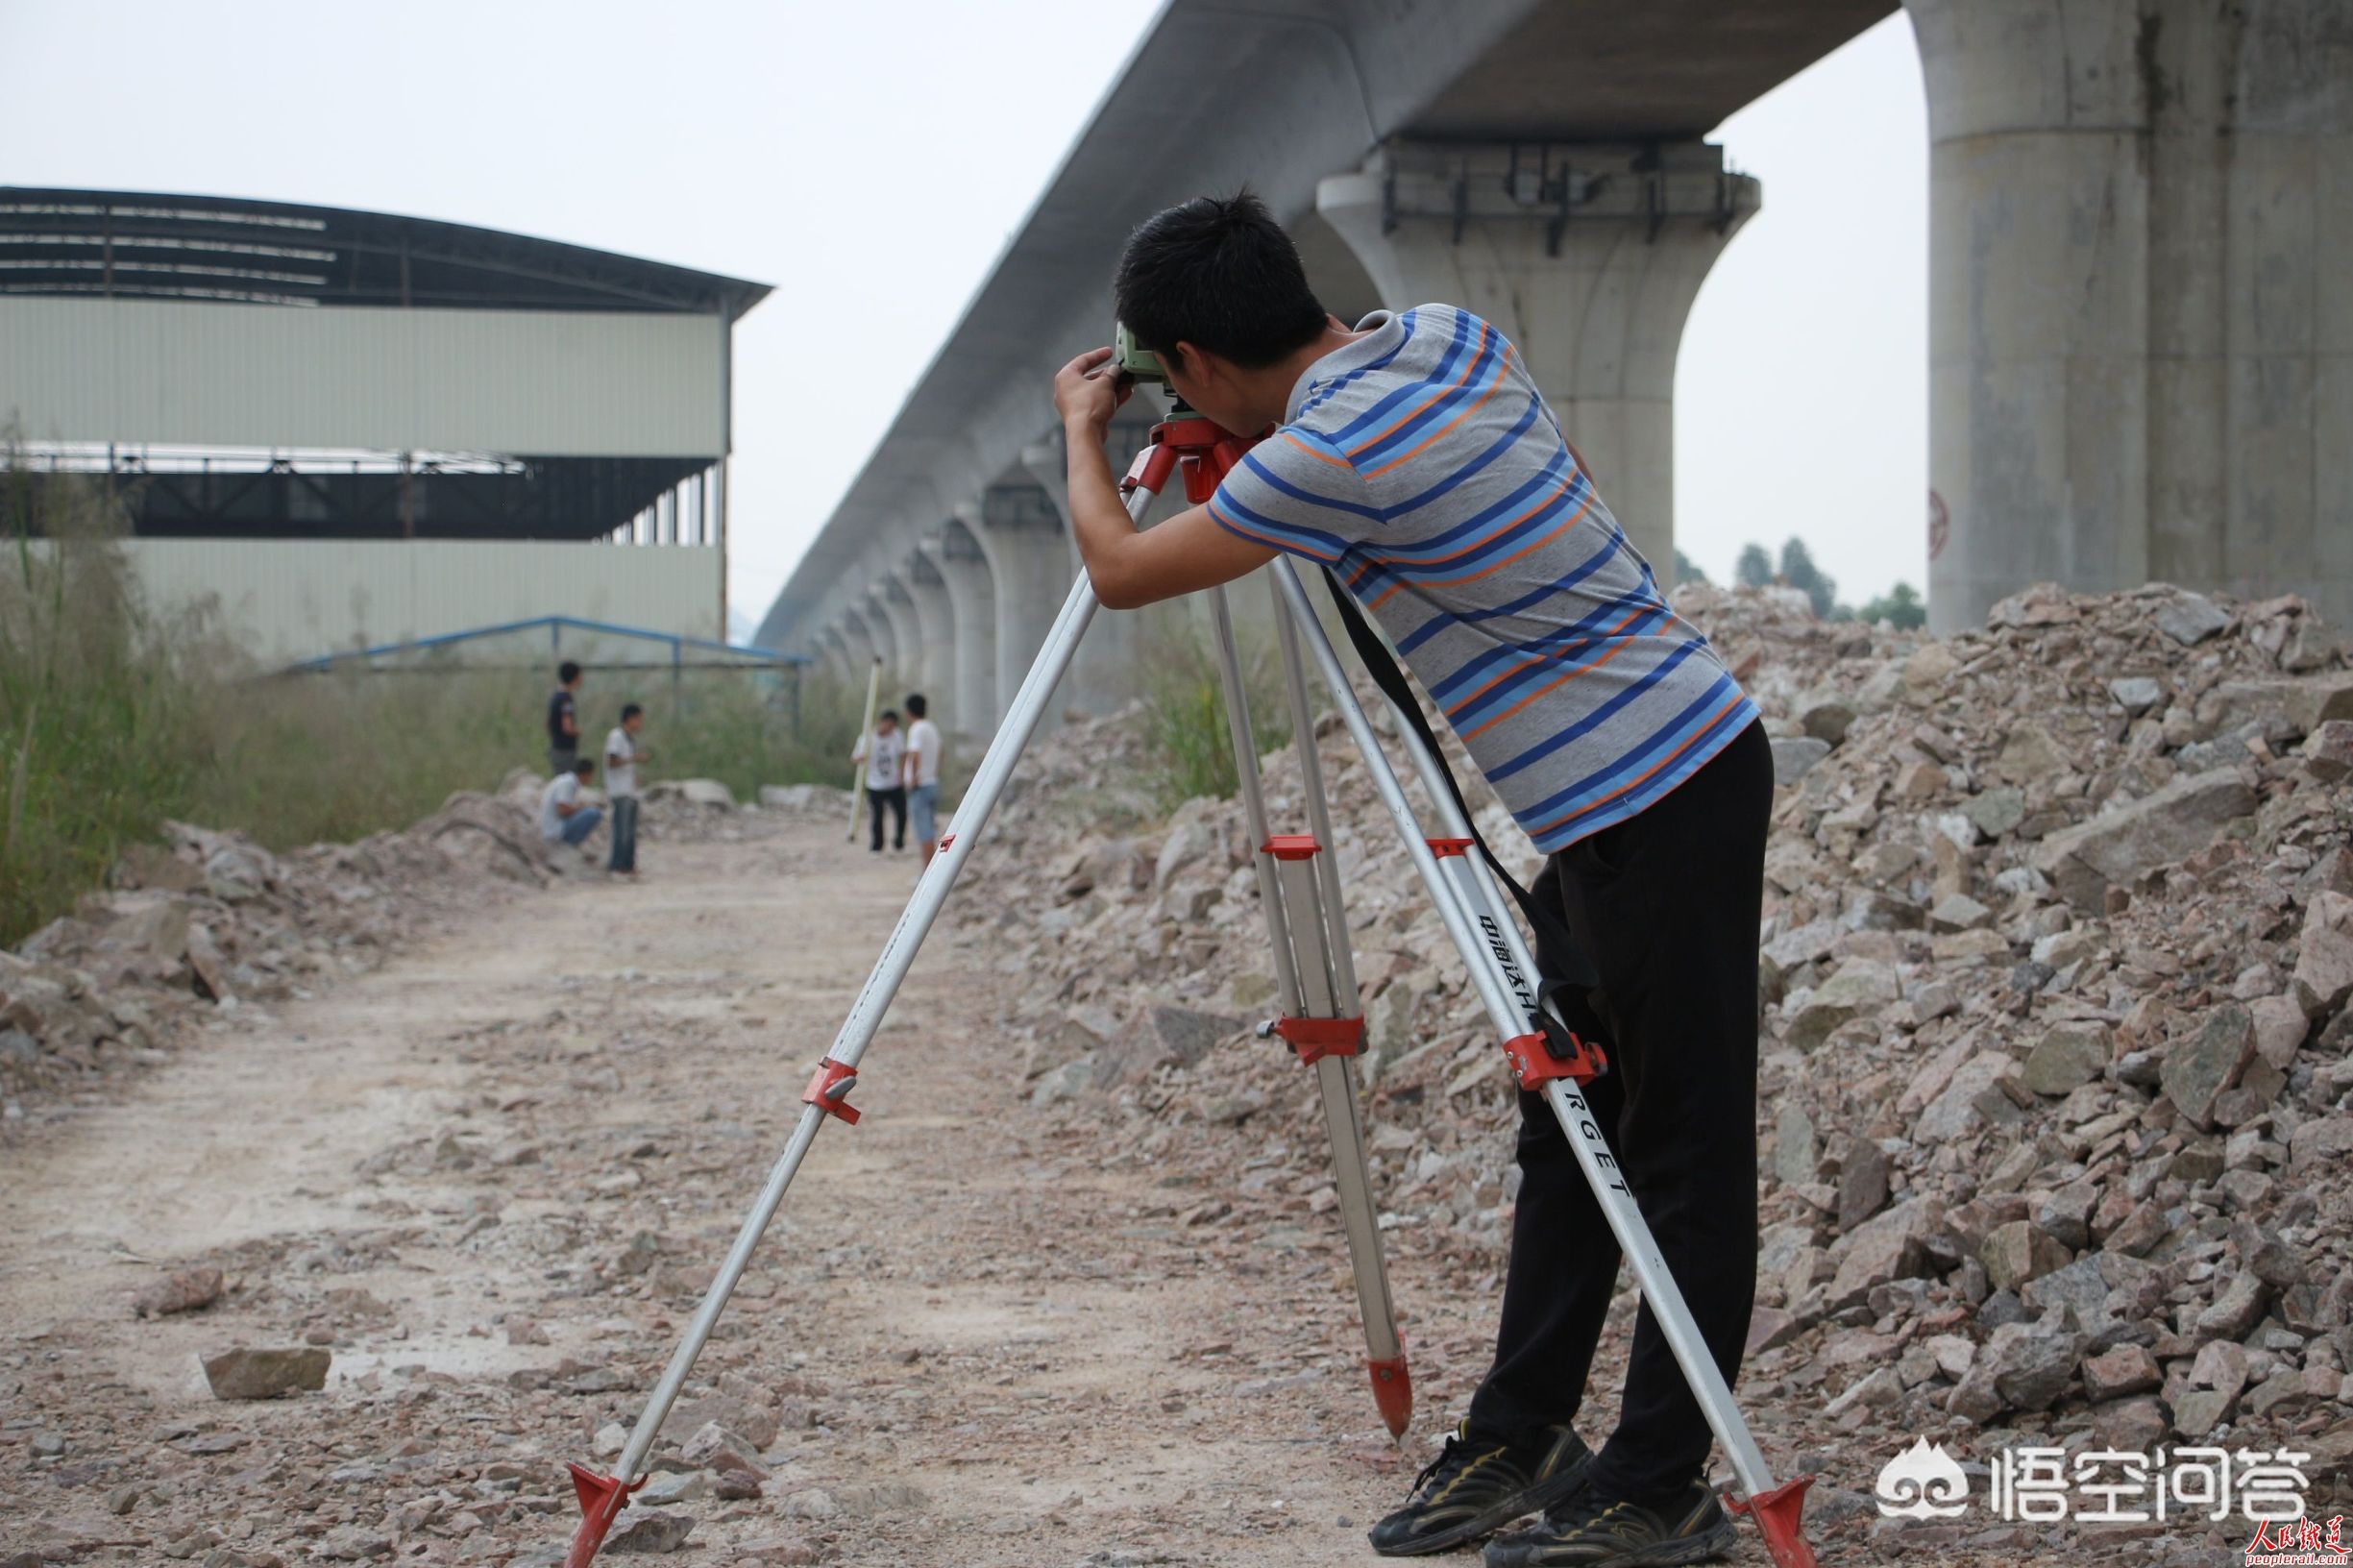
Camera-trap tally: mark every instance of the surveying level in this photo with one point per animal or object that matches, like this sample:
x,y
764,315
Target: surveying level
x,y
1132,359
1315,985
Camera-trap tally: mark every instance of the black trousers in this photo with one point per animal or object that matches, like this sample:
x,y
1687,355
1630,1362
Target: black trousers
x,y
895,799
1667,905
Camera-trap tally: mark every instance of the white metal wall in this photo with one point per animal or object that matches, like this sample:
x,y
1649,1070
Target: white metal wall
x,y
543,383
285,600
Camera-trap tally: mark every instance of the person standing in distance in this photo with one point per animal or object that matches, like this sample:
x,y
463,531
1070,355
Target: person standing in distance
x,y
884,753
564,721
621,755
923,774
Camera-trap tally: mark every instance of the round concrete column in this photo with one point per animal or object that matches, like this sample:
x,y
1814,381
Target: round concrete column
x,y
1102,678
832,653
1586,257
970,699
878,629
906,630
2140,312
1029,562
858,642
935,613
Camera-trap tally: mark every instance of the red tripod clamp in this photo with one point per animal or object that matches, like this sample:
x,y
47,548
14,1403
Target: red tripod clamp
x,y
1205,450
829,1090
1315,1038
1533,1062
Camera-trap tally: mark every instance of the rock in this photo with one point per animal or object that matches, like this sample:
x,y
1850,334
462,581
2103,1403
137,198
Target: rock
x,y
2199,1070
1927,672
1862,1183
2197,1411
1795,1150
2190,618
1886,1247
2133,1426
2324,955
1067,1082
2328,751
712,1447
648,1533
1861,985
1190,1035
2126,841
2325,1141
755,1423
154,924
2113,1374
1827,717
2018,1251
2280,1028
185,1291
235,872
1958,912
1188,841
1794,756
266,1374
2237,1311
1962,1106
2028,1365
2068,1055
2136,694
2221,1365
694,791
674,1486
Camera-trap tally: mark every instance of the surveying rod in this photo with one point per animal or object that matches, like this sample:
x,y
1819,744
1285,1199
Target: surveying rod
x,y
1774,1507
857,770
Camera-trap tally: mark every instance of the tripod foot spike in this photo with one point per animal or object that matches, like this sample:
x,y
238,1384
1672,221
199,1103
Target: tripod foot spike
x,y
1394,1392
601,1500
1777,1515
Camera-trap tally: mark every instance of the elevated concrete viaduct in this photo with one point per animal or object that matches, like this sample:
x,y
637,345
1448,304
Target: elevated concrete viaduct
x,y
2141,333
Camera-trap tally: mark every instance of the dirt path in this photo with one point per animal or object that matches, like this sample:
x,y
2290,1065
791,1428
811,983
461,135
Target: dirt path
x,y
492,1177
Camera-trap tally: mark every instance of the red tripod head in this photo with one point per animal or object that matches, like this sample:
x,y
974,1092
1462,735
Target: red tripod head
x,y
1205,451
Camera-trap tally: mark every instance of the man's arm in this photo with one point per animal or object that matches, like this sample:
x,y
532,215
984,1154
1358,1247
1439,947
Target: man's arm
x,y
1127,566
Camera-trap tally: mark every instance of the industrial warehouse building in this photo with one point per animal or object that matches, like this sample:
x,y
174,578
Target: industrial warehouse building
x,y
342,428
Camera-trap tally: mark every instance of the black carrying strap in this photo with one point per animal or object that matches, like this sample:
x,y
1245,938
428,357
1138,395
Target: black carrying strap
x,y
1573,992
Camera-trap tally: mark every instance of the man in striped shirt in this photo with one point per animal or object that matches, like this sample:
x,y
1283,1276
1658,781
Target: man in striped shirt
x,y
1413,457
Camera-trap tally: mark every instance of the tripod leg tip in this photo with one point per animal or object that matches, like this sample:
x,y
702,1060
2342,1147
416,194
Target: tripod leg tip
x,y
601,1500
1394,1392
1776,1514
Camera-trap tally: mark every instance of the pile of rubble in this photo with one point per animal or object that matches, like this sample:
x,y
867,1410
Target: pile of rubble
x,y
2055,1086
202,924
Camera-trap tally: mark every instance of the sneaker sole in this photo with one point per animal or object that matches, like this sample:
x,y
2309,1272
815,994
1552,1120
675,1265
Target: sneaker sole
x,y
1534,1500
1712,1545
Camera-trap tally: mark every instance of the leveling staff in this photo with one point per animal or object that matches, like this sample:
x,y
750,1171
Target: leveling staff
x,y
1414,457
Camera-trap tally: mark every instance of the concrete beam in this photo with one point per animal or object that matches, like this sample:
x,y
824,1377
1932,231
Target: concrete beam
x,y
2140,312
968,705
1588,258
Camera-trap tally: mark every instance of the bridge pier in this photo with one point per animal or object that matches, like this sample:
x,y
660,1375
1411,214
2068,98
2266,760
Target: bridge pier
x,y
1028,554
935,614
858,642
969,703
2141,311
1103,676
1588,258
906,630
878,629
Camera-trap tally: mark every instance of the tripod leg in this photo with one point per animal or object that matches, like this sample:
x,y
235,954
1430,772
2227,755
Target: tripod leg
x,y
1315,984
1776,1508
603,1497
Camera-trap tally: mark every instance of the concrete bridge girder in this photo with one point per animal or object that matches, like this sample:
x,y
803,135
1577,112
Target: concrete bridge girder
x,y
1588,259
968,705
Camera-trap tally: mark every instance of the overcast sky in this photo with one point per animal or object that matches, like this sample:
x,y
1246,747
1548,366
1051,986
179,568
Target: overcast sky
x,y
870,161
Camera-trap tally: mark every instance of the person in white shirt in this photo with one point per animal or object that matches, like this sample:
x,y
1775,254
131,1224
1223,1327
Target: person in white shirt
x,y
883,752
622,756
923,774
564,818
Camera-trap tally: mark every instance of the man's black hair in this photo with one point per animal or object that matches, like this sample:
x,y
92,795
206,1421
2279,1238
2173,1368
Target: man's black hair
x,y
567,673
917,705
890,714
629,711
1220,273
584,766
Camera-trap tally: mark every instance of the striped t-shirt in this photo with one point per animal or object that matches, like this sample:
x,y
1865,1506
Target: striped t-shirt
x,y
1421,464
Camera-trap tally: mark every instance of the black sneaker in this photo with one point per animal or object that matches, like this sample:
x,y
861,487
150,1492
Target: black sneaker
x,y
1592,1529
1474,1486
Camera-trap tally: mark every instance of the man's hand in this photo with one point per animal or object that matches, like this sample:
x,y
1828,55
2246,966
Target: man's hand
x,y
1087,392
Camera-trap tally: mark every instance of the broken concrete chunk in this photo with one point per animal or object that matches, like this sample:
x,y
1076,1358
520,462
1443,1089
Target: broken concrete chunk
x,y
2324,955
266,1374
2125,843
2199,1070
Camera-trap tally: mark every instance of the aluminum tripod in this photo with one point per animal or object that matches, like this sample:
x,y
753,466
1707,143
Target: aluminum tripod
x,y
1315,982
